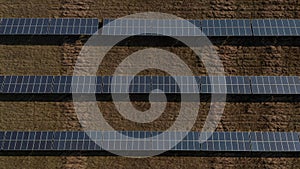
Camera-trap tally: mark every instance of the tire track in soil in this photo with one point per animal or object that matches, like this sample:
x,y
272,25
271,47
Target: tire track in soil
x,y
71,50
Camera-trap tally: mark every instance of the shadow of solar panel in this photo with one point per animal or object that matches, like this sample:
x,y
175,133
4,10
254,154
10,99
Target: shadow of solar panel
x,y
152,27
276,27
226,27
225,141
274,141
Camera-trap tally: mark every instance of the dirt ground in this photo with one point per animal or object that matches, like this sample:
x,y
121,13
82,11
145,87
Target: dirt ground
x,y
265,56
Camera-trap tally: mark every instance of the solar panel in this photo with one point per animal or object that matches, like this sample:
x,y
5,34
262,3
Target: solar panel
x,y
225,141
176,84
106,84
274,141
27,84
167,27
230,84
227,27
46,26
140,84
2,139
276,27
28,140
77,140
24,26
275,85
189,143
116,141
73,26
1,82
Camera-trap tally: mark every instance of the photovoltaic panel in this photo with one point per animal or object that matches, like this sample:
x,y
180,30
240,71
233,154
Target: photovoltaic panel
x,y
24,26
106,84
46,26
120,84
73,26
189,143
140,84
1,82
27,84
150,141
155,27
228,84
164,84
188,84
77,140
275,85
126,140
23,140
227,27
276,27
225,141
274,141
2,139
176,84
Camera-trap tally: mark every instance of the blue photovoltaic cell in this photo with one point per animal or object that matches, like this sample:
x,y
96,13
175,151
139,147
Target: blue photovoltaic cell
x,y
225,141
275,85
228,27
274,141
276,27
230,84
167,27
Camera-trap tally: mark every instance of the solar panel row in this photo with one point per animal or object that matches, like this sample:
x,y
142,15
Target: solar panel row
x,y
221,27
149,140
168,27
147,84
46,26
